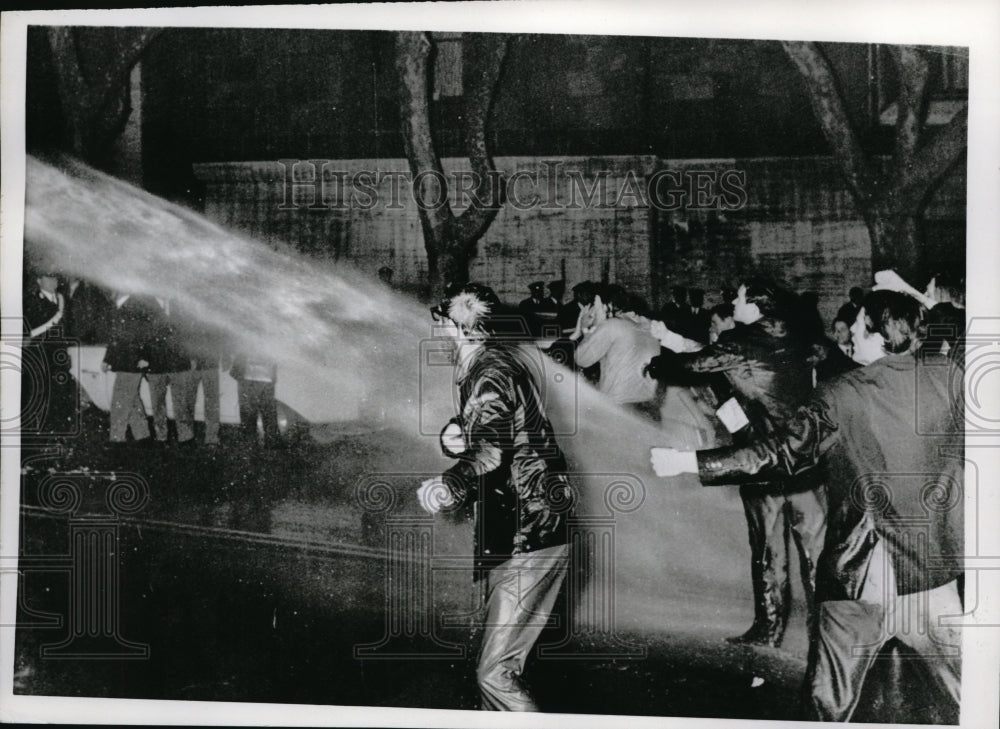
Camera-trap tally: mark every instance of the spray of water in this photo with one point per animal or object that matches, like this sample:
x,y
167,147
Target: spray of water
x,y
678,559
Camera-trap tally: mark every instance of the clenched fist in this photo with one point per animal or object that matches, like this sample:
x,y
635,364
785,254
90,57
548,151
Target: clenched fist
x,y
670,462
433,495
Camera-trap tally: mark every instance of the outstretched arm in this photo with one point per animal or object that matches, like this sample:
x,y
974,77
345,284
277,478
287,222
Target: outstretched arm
x,y
889,280
796,448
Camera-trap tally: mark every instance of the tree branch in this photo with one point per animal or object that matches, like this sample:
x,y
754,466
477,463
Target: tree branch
x,y
93,85
71,86
132,42
484,55
828,106
412,51
932,162
911,106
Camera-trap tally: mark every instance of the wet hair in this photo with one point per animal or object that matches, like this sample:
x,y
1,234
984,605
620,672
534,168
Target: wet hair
x,y
585,292
472,306
873,304
723,311
885,308
772,299
951,283
637,305
616,296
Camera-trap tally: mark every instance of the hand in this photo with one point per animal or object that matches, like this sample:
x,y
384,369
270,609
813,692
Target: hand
x,y
670,462
889,280
452,439
433,495
600,311
143,364
668,339
105,367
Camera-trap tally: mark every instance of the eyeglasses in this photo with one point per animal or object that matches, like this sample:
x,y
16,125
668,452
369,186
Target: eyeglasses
x,y
438,314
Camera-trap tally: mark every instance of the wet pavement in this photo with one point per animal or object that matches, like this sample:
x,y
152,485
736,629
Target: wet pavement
x,y
247,574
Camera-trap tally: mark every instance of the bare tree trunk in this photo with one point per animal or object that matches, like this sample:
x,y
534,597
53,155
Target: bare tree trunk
x,y
449,240
93,84
891,202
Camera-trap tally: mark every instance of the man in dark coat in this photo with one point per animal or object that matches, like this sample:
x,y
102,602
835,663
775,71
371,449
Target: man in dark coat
x,y
848,311
202,346
770,370
890,436
675,312
170,366
836,357
539,310
49,393
128,355
511,468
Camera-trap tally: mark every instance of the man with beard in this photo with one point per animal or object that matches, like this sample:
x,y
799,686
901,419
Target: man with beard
x,y
511,470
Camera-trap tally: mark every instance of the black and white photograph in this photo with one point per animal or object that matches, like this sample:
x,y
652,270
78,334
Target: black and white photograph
x,y
393,365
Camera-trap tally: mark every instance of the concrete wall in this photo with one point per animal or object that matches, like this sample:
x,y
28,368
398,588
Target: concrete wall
x,y
536,236
797,221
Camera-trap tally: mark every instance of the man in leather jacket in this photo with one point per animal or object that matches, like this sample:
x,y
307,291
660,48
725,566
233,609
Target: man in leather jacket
x,y
770,371
511,470
890,435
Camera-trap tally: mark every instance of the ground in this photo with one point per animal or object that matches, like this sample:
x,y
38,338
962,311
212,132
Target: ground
x,y
255,574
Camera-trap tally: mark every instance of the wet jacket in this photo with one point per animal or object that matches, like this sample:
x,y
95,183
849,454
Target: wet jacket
x,y
166,350
770,372
890,436
513,472
132,326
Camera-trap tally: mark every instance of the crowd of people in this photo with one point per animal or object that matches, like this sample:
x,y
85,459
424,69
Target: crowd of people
x,y
149,340
839,437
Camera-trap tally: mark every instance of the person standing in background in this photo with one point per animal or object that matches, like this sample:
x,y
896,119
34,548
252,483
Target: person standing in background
x,y
202,347
256,377
168,366
49,393
127,355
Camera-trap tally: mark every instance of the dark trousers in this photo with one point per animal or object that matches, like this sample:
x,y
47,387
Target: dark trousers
x,y
126,407
773,520
520,596
257,398
185,397
852,633
158,383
